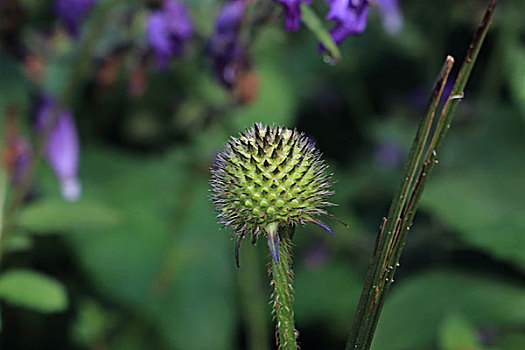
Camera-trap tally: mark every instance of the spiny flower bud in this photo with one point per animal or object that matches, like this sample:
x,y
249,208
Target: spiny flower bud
x,y
269,176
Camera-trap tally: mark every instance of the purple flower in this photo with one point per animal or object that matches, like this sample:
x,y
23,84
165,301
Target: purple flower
x,y
292,11
62,147
224,47
350,17
167,31
72,13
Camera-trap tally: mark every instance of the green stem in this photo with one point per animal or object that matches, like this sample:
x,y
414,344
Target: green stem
x,y
282,296
394,229
375,284
315,25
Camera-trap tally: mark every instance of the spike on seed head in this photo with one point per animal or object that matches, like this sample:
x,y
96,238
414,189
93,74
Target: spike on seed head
x,y
269,176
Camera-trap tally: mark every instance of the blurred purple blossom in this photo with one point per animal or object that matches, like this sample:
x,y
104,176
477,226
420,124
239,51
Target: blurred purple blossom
x,y
62,146
388,154
224,47
350,16
292,11
72,13
167,31
391,15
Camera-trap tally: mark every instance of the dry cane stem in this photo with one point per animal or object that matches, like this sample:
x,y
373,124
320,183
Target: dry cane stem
x,y
394,229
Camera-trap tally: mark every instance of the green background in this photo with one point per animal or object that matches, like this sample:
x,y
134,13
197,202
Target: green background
x,y
139,262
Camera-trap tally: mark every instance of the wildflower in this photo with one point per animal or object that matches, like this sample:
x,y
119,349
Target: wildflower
x,y
266,178
292,12
350,16
61,147
224,48
72,13
167,31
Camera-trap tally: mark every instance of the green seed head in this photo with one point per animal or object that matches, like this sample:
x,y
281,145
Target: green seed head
x,y
266,177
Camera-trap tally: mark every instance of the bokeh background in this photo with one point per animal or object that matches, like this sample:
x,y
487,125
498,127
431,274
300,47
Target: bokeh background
x,y
139,262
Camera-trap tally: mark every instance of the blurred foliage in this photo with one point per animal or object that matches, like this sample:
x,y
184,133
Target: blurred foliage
x,y
417,309
458,333
139,262
32,290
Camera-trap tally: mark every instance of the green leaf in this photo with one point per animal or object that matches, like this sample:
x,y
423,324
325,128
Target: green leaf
x,y
515,69
417,307
511,341
33,290
57,215
91,323
312,21
482,215
478,189
122,258
17,242
164,206
197,309
457,333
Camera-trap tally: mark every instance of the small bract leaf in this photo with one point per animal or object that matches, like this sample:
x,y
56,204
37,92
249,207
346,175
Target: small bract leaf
x,y
273,241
